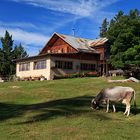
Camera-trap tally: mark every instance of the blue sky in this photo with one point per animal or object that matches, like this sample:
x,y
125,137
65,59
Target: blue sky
x,y
32,22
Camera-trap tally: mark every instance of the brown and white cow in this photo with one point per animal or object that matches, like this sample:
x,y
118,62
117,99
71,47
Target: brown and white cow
x,y
115,94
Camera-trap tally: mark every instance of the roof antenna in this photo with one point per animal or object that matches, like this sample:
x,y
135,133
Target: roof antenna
x,y
73,31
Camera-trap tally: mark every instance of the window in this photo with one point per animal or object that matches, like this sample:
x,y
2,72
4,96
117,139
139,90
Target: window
x,y
63,64
24,66
85,66
67,65
40,64
58,64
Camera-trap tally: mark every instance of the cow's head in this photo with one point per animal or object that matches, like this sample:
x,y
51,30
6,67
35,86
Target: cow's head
x,y
94,104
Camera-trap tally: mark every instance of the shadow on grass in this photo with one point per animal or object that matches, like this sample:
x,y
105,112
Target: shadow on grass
x,y
52,109
121,107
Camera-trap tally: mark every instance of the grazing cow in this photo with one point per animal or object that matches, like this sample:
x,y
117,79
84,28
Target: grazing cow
x,y
115,94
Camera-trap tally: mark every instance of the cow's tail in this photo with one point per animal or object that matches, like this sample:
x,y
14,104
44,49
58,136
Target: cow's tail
x,y
135,107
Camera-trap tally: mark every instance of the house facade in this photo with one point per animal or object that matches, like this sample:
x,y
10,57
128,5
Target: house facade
x,y
64,55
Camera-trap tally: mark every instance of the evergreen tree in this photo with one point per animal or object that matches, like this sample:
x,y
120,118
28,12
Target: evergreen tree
x,y
6,50
103,28
8,54
19,52
124,37
0,60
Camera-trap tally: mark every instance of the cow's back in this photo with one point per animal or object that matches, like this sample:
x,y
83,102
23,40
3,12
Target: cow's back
x,y
117,93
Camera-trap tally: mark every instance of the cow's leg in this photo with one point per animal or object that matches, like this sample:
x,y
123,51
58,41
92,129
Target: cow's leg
x,y
127,101
107,105
124,102
114,109
127,110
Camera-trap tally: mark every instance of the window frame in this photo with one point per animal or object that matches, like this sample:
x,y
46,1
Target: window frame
x,y
39,64
24,66
67,65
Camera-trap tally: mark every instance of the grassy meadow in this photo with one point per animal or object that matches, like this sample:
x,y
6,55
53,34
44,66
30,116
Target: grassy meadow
x,y
60,110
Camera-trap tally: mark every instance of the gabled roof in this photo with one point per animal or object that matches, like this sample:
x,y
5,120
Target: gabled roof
x,y
79,44
98,42
82,43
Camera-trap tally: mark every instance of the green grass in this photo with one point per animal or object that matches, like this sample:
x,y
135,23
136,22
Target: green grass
x,y
60,110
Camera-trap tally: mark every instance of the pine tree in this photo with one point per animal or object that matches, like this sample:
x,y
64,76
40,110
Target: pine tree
x,y
103,28
6,50
0,61
8,54
19,52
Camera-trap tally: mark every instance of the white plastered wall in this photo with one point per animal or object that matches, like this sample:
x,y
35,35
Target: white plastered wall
x,y
49,72
34,72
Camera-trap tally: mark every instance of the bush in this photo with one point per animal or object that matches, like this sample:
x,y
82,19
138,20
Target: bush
x,y
66,76
88,74
92,74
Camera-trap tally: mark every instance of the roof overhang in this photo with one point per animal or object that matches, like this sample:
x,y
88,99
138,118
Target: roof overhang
x,y
52,54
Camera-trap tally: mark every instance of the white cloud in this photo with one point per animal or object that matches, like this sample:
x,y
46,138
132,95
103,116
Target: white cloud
x,y
32,41
32,50
80,8
27,39
18,24
21,31
88,9
48,28
101,16
83,8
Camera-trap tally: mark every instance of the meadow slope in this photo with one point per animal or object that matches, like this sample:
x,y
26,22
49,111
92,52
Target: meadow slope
x,y
60,110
